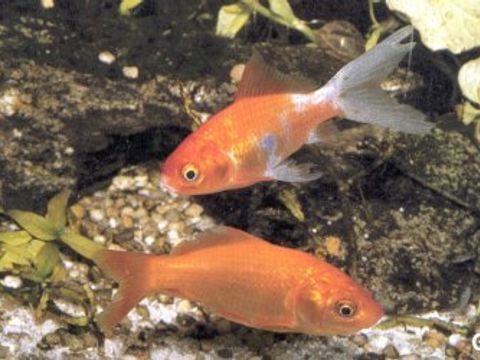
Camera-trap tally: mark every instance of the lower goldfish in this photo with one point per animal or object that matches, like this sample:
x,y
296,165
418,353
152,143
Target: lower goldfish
x,y
246,280
273,115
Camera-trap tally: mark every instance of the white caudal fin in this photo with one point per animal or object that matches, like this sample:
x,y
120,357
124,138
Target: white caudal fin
x,y
355,88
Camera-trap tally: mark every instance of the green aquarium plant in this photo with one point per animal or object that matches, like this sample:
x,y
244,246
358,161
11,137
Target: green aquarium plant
x,y
32,253
232,18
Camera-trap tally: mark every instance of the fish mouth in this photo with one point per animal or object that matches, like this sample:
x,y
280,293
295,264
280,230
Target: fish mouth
x,y
164,186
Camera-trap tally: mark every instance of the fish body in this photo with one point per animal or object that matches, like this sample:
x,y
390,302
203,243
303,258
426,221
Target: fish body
x,y
273,115
246,280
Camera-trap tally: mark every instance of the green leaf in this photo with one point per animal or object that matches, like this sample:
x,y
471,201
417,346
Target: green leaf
x,y
14,256
126,6
15,238
283,9
57,210
81,244
231,19
36,225
46,259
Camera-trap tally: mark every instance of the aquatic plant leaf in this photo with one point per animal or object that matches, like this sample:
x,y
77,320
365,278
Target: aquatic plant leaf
x,y
57,210
15,238
36,225
469,79
283,9
81,244
126,6
13,257
231,19
47,258
453,24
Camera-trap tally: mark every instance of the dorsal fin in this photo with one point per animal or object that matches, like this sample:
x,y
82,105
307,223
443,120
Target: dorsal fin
x,y
216,236
261,79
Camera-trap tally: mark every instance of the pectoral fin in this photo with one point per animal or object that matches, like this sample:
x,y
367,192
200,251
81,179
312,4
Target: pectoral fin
x,y
290,171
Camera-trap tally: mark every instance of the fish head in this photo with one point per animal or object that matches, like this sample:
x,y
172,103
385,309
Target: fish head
x,y
197,167
338,306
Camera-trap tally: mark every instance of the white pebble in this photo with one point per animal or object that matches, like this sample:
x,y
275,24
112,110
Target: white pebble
x,y
13,282
113,223
96,215
99,239
106,57
130,72
149,240
162,225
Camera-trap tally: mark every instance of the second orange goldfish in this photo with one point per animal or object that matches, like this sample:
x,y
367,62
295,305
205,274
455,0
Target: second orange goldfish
x,y
244,279
274,115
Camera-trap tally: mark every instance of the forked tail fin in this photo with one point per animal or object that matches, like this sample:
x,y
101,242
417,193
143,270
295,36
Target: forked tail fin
x,y
136,275
355,88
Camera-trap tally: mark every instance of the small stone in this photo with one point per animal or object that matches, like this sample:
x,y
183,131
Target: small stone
x,y
106,57
130,72
194,210
12,282
70,309
113,223
127,222
99,239
4,352
162,225
96,215
75,343
122,182
391,352
172,216
435,339
78,211
140,213
184,306
359,339
451,351
48,4
172,236
411,357
111,211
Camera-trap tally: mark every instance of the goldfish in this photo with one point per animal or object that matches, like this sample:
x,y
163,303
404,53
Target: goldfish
x,y
244,279
274,115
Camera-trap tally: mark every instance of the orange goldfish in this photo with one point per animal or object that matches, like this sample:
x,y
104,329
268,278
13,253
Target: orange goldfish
x,y
246,280
273,115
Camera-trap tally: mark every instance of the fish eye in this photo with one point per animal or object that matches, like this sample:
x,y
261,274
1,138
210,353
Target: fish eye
x,y
346,309
190,173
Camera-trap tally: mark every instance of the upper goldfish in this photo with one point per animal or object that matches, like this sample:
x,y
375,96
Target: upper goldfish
x,y
244,279
273,115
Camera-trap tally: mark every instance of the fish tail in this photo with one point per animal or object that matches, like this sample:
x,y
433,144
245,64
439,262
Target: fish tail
x,y
135,274
356,92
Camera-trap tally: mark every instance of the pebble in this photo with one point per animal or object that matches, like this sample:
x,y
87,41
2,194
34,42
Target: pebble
x,y
78,211
48,4
359,339
68,308
123,182
12,282
162,225
127,221
184,306
435,339
172,236
96,215
194,210
106,57
391,352
130,72
100,239
411,357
